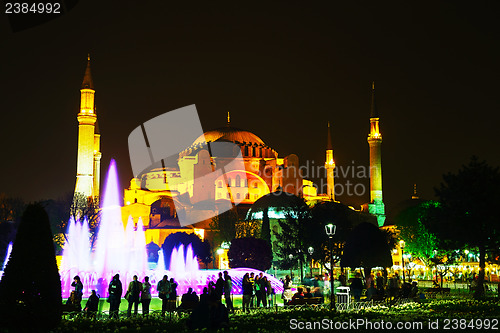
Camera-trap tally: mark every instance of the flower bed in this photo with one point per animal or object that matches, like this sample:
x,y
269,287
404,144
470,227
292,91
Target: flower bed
x,y
267,320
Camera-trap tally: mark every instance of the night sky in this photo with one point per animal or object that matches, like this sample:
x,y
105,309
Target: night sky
x,y
282,69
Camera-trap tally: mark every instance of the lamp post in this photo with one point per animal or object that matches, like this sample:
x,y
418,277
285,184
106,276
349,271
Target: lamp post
x,y
311,251
291,265
402,246
330,231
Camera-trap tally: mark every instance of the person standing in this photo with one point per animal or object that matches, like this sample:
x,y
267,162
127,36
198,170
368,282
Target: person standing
x,y
172,296
163,293
146,296
228,286
77,283
247,292
134,291
380,284
263,291
115,291
357,287
287,289
219,287
251,280
92,305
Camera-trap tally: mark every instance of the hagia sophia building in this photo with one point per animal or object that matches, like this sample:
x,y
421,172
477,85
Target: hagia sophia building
x,y
156,201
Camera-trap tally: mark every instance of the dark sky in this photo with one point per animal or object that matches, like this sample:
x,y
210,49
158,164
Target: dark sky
x,y
283,69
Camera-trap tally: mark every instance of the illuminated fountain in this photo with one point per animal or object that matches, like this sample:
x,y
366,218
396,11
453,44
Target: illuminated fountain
x,y
122,249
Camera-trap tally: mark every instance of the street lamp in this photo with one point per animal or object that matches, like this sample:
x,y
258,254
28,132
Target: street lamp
x,y
330,231
311,251
402,246
291,265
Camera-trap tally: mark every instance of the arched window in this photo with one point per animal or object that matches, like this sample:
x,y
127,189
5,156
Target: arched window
x,y
255,184
238,196
219,184
247,196
238,181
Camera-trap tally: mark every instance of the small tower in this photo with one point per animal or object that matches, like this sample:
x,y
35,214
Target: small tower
x,y
89,155
376,205
415,194
330,166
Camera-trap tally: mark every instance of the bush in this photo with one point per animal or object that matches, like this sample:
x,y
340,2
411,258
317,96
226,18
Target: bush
x,y
30,290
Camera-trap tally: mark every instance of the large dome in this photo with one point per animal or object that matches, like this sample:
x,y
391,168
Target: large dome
x,y
229,133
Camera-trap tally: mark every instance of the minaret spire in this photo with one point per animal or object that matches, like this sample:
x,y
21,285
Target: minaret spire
x,y
87,78
228,119
330,165
329,145
373,107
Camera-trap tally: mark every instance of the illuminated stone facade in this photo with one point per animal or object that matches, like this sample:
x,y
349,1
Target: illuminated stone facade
x,y
155,194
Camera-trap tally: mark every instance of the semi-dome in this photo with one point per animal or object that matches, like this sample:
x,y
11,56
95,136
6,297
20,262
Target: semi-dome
x,y
231,134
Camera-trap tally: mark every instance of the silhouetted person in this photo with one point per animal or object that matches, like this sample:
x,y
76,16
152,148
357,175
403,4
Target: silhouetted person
x,y
357,287
172,296
228,286
189,300
77,302
299,294
247,292
92,305
146,296
219,287
115,291
163,293
134,290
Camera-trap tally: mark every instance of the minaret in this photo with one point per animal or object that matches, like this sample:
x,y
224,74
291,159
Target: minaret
x,y
89,155
330,166
415,194
376,205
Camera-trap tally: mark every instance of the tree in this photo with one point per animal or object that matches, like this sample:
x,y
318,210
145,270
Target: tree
x,y
419,241
265,230
248,228
366,247
30,290
11,210
465,216
76,206
178,238
224,227
250,252
291,239
322,214
205,253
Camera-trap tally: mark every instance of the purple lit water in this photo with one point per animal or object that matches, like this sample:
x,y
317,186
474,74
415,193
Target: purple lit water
x,y
121,250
